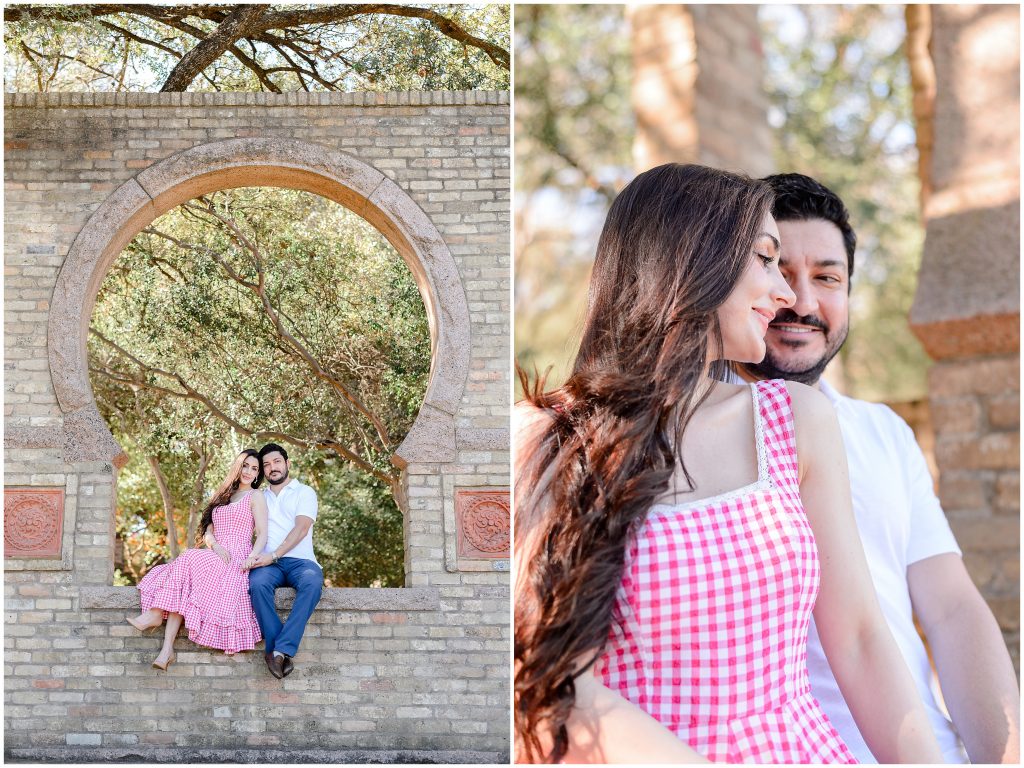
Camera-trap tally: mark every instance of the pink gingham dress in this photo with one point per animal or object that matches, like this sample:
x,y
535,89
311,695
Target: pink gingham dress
x,y
212,595
713,611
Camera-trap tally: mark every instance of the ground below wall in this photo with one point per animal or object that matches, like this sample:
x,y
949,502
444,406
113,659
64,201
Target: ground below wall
x,y
105,755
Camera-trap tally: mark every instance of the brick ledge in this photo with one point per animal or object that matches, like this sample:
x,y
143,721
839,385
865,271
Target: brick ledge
x,y
334,598
240,99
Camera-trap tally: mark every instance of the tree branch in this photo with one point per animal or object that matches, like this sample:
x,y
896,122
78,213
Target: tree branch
x,y
274,317
335,13
168,502
191,393
64,56
249,22
139,39
240,22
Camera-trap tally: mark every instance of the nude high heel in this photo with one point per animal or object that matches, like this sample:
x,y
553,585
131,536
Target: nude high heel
x,y
142,628
170,660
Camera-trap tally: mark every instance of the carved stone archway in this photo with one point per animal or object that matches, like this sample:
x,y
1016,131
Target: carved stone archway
x,y
293,164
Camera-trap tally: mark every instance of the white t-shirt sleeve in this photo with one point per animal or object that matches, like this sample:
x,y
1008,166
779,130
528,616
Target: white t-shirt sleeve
x,y
307,503
930,534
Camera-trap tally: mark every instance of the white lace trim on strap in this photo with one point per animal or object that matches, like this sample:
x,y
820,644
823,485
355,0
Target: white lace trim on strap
x,y
764,478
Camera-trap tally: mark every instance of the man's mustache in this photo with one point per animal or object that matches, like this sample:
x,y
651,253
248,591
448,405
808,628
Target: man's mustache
x,y
789,317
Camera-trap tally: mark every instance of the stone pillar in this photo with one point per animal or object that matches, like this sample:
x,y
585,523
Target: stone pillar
x,y
967,311
697,91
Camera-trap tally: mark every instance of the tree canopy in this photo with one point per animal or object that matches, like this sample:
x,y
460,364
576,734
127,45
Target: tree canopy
x,y
253,315
574,129
245,47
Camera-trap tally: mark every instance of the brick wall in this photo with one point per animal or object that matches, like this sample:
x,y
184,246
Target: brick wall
x,y
976,406
416,673
967,307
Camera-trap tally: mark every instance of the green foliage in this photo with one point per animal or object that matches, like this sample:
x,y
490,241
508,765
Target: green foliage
x,y
70,49
573,117
397,54
574,129
841,99
256,314
359,537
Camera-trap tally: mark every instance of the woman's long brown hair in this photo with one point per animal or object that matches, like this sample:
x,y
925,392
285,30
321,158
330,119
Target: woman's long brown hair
x,y
674,245
227,489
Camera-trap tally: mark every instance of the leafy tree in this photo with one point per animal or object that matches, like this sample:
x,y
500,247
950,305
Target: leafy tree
x,y
276,48
573,119
574,130
254,315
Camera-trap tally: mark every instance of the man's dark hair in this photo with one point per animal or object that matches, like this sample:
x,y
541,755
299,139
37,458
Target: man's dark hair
x,y
270,448
799,197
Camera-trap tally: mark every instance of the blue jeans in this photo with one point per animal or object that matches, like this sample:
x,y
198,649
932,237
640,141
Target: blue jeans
x,y
307,579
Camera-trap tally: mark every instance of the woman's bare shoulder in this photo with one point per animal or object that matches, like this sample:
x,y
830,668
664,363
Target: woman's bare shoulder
x,y
816,426
809,403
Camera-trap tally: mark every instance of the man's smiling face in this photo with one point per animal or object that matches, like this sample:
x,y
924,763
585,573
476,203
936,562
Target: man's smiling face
x,y
275,468
803,339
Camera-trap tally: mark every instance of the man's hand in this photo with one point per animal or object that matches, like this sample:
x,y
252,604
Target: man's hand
x,y
262,559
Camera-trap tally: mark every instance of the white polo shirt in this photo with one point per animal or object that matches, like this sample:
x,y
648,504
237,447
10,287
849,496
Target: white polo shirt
x,y
900,522
295,499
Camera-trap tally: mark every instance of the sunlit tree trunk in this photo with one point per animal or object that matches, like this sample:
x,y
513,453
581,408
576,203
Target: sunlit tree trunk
x,y
922,78
198,492
168,502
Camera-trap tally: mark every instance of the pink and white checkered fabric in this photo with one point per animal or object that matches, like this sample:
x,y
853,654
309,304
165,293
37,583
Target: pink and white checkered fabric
x,y
212,595
713,613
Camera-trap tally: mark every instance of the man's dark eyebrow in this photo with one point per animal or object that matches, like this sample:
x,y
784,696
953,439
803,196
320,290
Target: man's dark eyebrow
x,y
828,263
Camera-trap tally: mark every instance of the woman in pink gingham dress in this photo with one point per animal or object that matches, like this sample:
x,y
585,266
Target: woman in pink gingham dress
x,y
674,532
740,573
208,589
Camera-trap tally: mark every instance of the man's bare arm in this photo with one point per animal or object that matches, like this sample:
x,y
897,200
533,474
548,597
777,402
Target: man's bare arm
x,y
977,678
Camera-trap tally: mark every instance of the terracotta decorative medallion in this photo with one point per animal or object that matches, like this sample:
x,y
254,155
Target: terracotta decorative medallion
x,y
33,522
484,523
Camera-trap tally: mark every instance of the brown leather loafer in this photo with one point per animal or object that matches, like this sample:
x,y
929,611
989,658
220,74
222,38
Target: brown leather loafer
x,y
275,664
287,667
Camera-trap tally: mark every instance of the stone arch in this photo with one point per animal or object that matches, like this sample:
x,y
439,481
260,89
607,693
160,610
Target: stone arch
x,y
231,163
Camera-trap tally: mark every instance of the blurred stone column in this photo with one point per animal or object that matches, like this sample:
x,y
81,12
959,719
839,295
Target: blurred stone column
x,y
697,92
967,310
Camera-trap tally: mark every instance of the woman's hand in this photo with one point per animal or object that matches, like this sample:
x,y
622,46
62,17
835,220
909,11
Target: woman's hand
x,y
250,561
222,552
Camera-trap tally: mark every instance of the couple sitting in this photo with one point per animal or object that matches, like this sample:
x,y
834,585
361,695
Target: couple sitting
x,y
224,594
684,509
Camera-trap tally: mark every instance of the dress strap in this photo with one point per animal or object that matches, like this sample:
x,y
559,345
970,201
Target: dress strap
x,y
779,434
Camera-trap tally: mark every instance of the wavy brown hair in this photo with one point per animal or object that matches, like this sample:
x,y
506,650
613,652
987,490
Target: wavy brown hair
x,y
227,489
676,242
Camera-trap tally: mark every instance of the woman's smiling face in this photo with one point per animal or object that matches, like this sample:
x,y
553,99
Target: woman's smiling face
x,y
760,293
250,471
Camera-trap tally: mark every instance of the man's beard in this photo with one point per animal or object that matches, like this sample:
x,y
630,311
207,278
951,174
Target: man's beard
x,y
279,480
773,368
